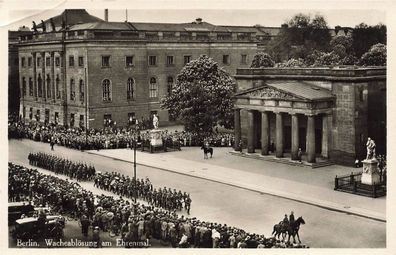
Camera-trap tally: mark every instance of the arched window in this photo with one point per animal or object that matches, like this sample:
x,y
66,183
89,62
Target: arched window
x,y
30,86
72,89
106,90
153,90
48,82
40,85
130,88
57,86
23,86
81,90
170,85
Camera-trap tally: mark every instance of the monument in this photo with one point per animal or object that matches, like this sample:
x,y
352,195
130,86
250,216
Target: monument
x,y
155,134
370,173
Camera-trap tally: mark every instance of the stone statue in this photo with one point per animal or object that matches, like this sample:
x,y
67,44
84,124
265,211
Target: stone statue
x,y
52,25
370,148
34,27
155,121
43,25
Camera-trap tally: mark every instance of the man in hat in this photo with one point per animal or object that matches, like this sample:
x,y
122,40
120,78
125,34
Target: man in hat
x,y
291,218
96,237
85,222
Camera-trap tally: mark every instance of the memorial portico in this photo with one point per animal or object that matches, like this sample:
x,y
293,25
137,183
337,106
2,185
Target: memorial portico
x,y
289,115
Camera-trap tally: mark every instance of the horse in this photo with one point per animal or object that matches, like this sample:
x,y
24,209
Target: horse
x,y
279,229
206,151
293,229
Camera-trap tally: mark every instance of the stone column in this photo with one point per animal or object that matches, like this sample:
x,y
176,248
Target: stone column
x,y
237,129
325,136
35,89
295,137
311,139
43,77
279,135
264,133
250,133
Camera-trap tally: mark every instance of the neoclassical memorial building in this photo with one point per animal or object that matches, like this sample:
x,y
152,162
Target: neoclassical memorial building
x,y
328,113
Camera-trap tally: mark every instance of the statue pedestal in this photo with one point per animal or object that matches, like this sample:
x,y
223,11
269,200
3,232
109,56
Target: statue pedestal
x,y
370,173
155,138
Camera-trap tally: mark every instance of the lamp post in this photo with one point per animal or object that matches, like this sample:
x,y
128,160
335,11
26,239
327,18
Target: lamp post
x,y
134,155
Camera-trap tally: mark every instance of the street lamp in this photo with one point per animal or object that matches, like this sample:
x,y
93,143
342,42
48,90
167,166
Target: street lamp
x,y
134,156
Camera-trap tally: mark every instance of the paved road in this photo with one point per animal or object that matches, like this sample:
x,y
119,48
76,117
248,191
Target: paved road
x,y
246,209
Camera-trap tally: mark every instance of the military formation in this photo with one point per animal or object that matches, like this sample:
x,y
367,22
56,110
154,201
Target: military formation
x,y
133,222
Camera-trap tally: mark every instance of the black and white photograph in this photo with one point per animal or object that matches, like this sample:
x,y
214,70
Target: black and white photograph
x,y
196,127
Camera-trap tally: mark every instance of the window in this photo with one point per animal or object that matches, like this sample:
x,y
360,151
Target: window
x,y
72,120
130,88
29,61
22,62
46,116
24,112
170,61
361,95
106,90
105,61
31,113
152,60
48,81
23,86
56,118
47,61
80,61
128,61
81,90
170,84
153,87
40,86
72,89
38,62
30,86
187,59
57,86
81,120
226,59
107,120
57,61
131,118
80,32
71,60
244,59
38,115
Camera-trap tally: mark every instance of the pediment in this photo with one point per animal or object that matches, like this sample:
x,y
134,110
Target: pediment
x,y
267,92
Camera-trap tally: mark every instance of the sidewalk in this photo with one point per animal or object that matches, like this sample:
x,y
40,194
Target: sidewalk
x,y
310,186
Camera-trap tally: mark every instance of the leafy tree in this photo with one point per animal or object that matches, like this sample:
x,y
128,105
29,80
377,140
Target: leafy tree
x,y
376,56
292,63
201,97
262,59
326,59
365,36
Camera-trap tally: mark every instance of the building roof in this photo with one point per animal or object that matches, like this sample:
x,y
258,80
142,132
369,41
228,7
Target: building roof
x,y
71,17
296,89
102,25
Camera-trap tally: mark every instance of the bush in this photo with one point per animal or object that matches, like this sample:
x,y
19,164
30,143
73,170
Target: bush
x,y
261,60
292,63
327,59
375,56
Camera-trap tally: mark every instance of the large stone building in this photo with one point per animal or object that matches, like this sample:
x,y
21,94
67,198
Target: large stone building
x,y
77,66
326,112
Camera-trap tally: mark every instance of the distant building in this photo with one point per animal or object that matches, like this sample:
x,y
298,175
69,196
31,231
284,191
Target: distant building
x,y
327,112
77,66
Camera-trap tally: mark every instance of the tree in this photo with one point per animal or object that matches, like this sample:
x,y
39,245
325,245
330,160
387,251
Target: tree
x,y
365,36
376,56
262,59
201,97
292,63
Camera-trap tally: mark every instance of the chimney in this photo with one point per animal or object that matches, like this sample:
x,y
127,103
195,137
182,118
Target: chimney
x,y
198,20
106,14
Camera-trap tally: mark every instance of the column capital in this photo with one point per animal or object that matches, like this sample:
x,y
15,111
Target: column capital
x,y
310,114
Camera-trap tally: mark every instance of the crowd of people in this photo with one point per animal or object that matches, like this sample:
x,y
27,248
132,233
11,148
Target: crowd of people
x,y
79,171
114,182
134,222
111,138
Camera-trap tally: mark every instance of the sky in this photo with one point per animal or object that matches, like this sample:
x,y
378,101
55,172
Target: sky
x,y
265,17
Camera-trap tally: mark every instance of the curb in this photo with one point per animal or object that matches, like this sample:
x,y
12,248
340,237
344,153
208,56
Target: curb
x,y
284,195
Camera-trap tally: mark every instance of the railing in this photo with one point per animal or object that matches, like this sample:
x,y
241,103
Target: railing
x,y
352,184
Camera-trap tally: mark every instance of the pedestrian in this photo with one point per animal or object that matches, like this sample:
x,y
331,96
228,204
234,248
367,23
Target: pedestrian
x,y
85,222
299,155
52,143
291,218
96,238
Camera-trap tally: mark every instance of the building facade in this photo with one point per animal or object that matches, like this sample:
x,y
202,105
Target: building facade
x,y
328,113
78,70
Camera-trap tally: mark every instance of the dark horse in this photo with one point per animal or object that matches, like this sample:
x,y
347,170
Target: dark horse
x,y
206,151
293,229
290,229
